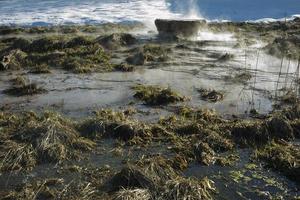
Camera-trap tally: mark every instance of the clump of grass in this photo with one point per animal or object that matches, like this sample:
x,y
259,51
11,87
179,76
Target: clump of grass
x,y
46,44
289,97
148,53
283,157
25,89
17,156
229,160
14,59
132,194
116,40
158,168
87,59
204,154
249,133
131,177
79,41
155,95
124,67
21,43
81,54
52,189
108,123
258,133
156,176
49,138
19,81
188,188
245,76
54,138
199,114
40,69
239,77
137,59
211,95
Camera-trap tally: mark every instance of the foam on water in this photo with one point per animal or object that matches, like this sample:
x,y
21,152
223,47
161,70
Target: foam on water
x,y
211,36
34,12
54,12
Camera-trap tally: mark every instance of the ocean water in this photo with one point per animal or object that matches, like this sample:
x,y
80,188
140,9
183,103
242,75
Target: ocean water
x,y
49,12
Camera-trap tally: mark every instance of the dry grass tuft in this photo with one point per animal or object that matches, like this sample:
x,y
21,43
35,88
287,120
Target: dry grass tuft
x,y
188,189
31,139
17,157
132,194
155,95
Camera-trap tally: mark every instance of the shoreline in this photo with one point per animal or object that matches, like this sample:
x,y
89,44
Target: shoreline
x,y
98,112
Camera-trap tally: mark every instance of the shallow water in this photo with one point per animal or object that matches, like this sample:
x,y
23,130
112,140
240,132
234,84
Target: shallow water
x,y
42,13
189,69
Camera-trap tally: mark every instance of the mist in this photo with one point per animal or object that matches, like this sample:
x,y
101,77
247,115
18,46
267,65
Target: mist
x,y
188,8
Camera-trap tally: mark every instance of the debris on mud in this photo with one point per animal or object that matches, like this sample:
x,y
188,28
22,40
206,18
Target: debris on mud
x,y
155,95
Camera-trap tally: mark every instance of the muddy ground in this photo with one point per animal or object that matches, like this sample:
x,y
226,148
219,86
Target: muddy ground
x,y
117,112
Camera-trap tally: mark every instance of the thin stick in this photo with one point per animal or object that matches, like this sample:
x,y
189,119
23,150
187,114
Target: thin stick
x,y
297,77
254,84
245,60
287,72
279,76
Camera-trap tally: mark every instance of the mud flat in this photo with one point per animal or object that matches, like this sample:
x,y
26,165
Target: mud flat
x,y
117,112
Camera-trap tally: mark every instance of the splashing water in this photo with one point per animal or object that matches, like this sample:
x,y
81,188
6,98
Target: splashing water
x,y
55,12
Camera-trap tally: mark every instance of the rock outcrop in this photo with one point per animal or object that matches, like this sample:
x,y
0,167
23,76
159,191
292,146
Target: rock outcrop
x,y
179,28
